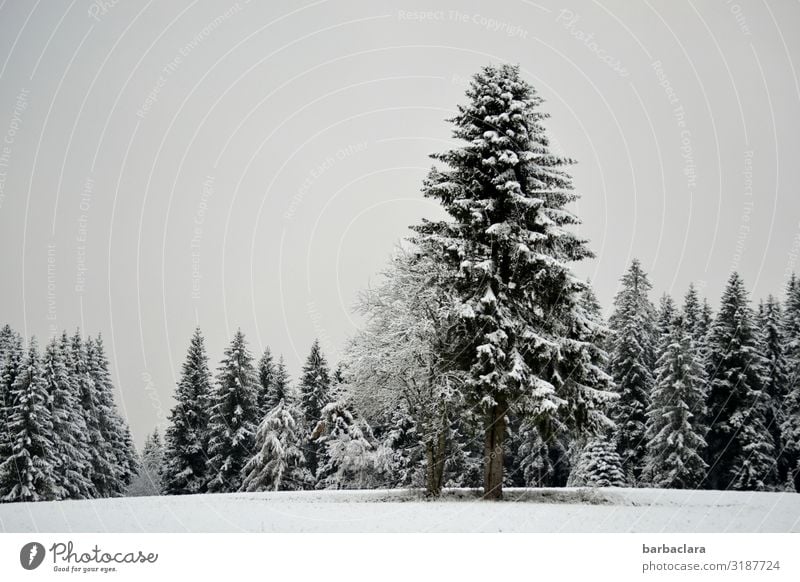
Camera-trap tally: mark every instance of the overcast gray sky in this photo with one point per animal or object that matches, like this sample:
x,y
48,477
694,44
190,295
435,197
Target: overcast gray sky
x,y
168,164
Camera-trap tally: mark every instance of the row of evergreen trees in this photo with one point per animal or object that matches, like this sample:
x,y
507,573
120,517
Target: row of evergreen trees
x,y
249,429
61,436
706,400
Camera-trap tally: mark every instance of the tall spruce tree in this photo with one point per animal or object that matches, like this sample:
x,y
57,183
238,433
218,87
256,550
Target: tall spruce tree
x,y
740,451
102,459
186,439
769,319
509,240
675,443
71,459
27,474
315,394
234,417
11,356
632,363
113,427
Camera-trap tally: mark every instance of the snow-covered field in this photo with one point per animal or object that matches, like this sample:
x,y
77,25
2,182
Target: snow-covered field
x,y
525,510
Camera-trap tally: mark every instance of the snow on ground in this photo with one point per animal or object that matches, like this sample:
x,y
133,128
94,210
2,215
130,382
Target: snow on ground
x,y
524,510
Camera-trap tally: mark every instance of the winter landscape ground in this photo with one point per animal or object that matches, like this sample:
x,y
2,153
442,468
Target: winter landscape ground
x,y
567,510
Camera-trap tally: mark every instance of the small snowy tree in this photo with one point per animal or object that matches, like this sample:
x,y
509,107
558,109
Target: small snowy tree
x,y
315,394
401,454
234,417
186,438
347,457
675,443
149,480
27,475
279,463
599,465
632,363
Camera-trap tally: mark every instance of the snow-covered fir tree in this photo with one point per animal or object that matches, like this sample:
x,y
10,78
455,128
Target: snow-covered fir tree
x,y
267,397
27,474
463,465
234,417
692,312
790,427
71,459
706,320
346,456
599,465
102,460
541,463
586,336
281,388
186,437
315,394
9,341
770,321
11,355
665,315
740,452
509,241
403,458
675,444
278,463
632,361
696,322
113,428
545,442
546,453
149,480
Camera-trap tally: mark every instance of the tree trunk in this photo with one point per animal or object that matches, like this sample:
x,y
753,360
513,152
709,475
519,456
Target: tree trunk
x,y
494,432
436,453
430,482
